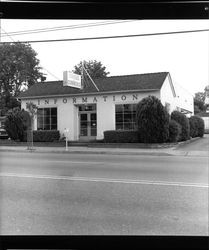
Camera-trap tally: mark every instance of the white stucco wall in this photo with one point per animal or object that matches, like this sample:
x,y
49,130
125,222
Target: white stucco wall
x,y
179,99
167,95
67,110
184,99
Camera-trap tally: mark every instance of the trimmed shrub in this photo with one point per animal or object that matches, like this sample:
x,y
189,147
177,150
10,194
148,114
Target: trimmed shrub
x,y
152,120
201,127
193,122
174,131
120,136
44,135
14,124
184,122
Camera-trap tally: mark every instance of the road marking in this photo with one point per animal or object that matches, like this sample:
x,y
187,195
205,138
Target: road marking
x,y
107,180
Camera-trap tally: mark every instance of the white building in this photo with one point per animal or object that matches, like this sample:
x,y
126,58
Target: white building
x,y
110,105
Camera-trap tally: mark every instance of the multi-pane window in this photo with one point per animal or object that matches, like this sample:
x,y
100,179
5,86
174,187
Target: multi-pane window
x,y
125,116
47,119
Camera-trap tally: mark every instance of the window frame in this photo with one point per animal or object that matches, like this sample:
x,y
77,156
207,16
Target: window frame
x,y
122,111
46,113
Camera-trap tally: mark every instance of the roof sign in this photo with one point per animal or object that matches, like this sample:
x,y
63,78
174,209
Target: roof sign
x,y
71,79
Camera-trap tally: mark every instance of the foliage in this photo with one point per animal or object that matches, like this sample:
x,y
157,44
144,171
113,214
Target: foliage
x,y
44,135
19,69
200,96
120,136
197,126
93,67
184,122
174,131
8,103
199,106
199,101
152,120
14,124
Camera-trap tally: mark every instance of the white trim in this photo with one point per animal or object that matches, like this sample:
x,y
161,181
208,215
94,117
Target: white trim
x,y
91,93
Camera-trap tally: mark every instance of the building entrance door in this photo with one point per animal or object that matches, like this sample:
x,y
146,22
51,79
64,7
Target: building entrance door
x,y
88,125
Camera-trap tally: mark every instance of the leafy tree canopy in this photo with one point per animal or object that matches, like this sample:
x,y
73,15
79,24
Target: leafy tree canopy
x,y
199,101
200,96
19,69
93,67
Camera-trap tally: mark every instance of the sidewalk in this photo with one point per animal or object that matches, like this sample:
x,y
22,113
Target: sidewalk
x,y
99,150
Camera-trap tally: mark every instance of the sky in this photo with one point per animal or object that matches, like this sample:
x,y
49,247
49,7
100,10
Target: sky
x,y
185,56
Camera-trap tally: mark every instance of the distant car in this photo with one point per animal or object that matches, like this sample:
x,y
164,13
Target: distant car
x,y
3,133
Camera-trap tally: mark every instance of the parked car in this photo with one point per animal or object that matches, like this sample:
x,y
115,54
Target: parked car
x,y
3,133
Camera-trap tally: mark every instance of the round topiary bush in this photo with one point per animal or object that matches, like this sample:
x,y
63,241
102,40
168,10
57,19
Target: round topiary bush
x,y
174,131
201,127
193,122
152,120
184,122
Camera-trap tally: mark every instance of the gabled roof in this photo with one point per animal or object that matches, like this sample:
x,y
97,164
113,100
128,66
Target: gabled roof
x,y
139,82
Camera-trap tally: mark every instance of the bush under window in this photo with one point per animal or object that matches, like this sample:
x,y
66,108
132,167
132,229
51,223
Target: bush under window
x,y
44,135
120,136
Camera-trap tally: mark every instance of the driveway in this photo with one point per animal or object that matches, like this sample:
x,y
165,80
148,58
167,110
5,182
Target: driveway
x,y
201,144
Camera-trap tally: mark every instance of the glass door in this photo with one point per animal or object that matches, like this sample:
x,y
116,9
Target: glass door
x,y
84,124
88,125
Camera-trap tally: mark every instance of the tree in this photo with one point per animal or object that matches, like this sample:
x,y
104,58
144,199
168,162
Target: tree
x,y
199,106
93,67
200,96
201,101
152,120
19,68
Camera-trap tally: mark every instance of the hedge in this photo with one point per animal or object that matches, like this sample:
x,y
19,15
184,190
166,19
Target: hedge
x,y
120,136
174,131
44,135
152,120
197,126
184,122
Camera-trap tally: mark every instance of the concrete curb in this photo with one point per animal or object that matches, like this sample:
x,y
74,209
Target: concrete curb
x,y
147,152
109,145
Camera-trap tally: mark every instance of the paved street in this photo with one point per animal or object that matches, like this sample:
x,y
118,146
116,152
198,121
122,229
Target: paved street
x,y
53,193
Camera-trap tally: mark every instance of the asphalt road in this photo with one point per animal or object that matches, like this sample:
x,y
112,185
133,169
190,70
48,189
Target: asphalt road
x,y
65,194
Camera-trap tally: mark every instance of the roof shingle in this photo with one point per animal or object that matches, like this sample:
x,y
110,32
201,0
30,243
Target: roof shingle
x,y
141,82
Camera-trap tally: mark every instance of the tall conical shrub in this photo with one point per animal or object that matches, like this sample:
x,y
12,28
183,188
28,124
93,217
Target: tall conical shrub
x,y
152,120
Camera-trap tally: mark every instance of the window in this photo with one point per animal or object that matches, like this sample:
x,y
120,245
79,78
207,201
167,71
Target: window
x,y
125,116
47,119
91,107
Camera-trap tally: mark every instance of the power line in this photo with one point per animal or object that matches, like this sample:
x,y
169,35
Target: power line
x,y
60,28
114,37
8,35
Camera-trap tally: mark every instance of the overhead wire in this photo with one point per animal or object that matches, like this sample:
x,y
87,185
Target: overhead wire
x,y
60,28
114,37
